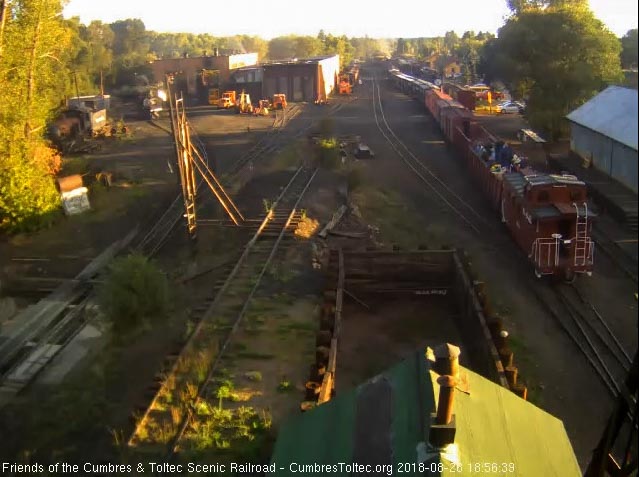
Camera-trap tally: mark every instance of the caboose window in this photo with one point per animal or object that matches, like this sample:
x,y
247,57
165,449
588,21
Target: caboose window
x,y
542,196
575,195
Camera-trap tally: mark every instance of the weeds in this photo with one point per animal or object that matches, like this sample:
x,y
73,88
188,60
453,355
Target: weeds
x,y
254,376
254,355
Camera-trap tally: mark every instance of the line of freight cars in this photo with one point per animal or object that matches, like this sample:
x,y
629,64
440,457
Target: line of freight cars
x,y
546,214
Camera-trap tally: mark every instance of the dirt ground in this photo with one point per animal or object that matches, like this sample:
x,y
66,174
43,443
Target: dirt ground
x,y
372,341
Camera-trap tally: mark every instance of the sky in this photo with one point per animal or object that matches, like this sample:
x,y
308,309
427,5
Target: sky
x,y
354,18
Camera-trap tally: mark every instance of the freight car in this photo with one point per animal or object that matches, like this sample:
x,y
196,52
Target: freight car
x,y
547,215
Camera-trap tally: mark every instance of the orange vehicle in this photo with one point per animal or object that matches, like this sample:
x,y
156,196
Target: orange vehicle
x,y
344,86
228,100
279,101
263,107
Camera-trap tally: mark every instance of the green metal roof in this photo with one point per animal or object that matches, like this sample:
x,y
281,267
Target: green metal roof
x,y
386,421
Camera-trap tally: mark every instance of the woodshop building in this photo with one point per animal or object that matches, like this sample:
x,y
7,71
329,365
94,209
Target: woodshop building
x,y
309,79
196,76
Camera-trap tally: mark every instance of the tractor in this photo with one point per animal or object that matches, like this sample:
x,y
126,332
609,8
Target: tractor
x,y
243,104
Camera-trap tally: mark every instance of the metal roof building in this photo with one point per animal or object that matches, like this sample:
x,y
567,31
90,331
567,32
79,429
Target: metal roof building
x,y
387,421
605,130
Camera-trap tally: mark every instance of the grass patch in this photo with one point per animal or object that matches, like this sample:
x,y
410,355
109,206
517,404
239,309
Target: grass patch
x,y
254,355
297,326
254,376
288,157
75,165
284,386
398,222
281,272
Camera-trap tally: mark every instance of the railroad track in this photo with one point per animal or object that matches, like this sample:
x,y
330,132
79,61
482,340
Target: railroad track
x,y
190,374
617,255
46,327
162,228
588,330
462,209
268,143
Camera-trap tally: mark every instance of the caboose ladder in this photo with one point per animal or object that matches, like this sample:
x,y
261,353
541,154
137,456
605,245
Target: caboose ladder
x,y
581,239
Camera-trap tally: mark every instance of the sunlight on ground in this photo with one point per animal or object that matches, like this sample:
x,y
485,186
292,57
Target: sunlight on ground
x,y
306,228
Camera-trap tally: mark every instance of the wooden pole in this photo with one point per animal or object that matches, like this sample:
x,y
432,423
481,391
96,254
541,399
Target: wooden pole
x,y
3,16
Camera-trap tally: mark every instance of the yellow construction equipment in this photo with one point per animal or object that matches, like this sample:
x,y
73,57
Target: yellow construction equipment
x,y
243,104
228,100
279,101
262,107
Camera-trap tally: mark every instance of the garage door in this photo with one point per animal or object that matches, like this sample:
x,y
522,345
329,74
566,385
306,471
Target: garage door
x,y
298,94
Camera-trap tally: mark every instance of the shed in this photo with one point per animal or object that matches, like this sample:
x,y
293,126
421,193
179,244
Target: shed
x,y
604,130
309,79
386,421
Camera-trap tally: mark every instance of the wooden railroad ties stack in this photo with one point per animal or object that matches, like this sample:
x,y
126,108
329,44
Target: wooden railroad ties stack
x,y
502,342
320,387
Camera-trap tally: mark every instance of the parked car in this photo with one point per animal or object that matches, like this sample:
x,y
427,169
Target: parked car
x,y
362,151
509,107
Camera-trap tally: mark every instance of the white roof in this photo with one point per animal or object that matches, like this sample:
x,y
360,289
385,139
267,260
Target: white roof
x,y
613,113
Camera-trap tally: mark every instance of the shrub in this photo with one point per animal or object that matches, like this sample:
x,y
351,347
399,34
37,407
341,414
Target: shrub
x,y
134,294
329,153
28,197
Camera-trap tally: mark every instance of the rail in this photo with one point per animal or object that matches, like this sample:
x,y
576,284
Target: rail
x,y
183,374
588,330
433,182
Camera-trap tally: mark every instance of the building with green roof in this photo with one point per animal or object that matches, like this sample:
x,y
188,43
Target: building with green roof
x,y
383,427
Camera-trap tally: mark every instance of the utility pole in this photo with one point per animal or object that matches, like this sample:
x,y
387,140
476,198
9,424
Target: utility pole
x,y
3,18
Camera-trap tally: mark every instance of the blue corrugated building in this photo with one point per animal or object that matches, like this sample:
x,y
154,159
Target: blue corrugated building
x,y
604,130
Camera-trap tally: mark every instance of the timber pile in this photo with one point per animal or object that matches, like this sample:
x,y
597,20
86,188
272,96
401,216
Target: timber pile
x,y
337,216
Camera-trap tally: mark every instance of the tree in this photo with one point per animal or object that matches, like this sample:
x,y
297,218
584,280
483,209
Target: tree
x,y
558,56
629,49
134,294
451,42
339,45
281,47
255,44
307,46
34,75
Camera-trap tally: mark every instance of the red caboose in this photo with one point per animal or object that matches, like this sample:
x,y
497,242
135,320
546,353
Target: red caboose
x,y
548,216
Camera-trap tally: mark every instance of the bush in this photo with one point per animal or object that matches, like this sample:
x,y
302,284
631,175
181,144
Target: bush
x,y
134,294
329,153
28,197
